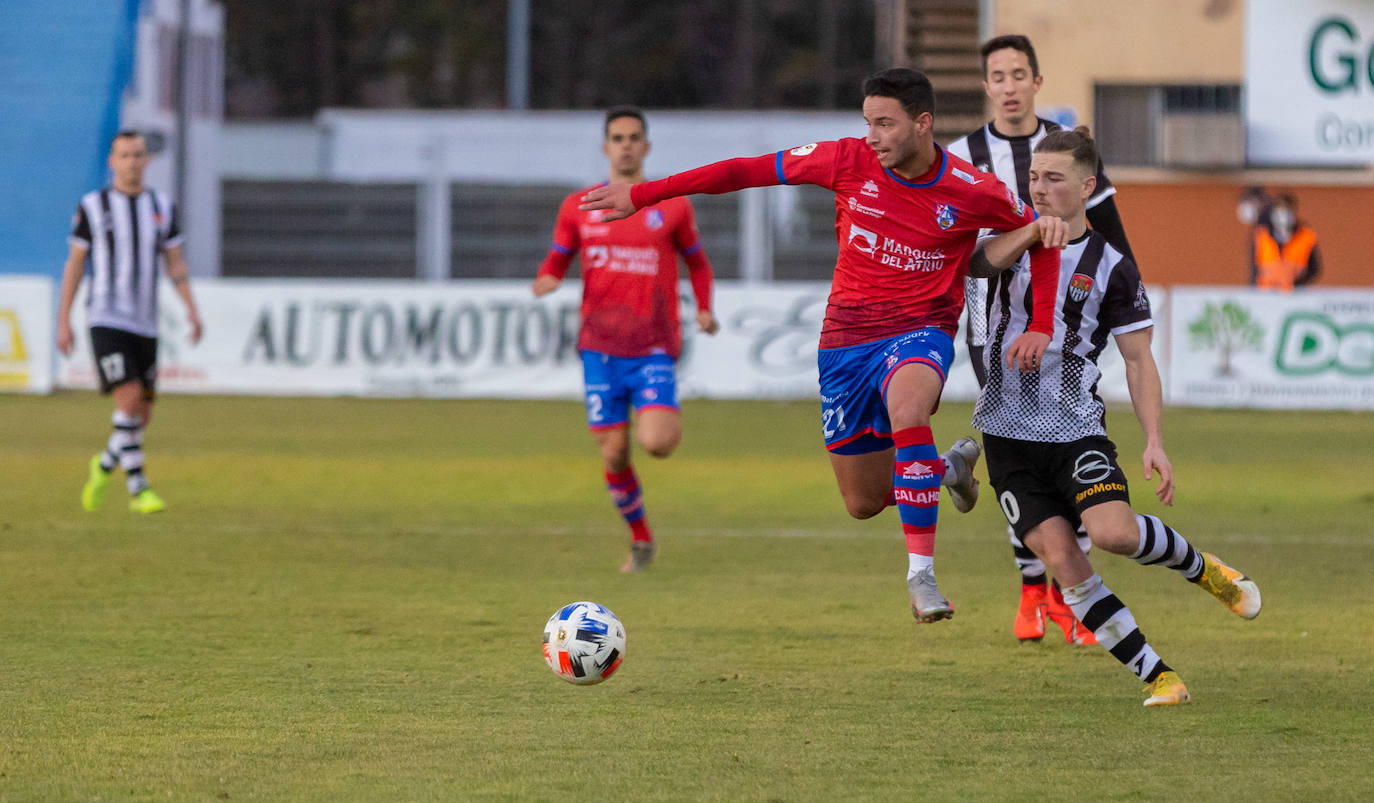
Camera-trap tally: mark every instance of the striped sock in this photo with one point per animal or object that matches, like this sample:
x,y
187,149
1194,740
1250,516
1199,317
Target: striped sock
x,y
629,500
130,430
1112,623
1032,568
916,487
125,427
1159,544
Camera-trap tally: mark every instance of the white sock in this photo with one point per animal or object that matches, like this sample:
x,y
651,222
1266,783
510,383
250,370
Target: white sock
x,y
918,563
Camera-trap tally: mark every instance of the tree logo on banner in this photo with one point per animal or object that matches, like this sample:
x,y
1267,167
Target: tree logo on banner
x,y
1226,328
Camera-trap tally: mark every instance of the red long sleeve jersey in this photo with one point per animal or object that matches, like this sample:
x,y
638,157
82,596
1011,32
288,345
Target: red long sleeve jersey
x,y
629,274
904,245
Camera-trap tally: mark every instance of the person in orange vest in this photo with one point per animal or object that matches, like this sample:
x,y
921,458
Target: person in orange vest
x,y
1285,249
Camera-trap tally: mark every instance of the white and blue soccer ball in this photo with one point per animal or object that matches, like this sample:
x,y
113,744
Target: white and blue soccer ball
x,y
584,643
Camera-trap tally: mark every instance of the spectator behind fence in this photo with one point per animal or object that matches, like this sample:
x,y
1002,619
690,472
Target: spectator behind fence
x,y
1284,253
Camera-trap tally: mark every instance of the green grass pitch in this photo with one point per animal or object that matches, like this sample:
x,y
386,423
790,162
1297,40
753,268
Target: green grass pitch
x,y
345,600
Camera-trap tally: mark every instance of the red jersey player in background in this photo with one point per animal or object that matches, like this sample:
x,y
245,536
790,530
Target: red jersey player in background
x,y
907,216
631,336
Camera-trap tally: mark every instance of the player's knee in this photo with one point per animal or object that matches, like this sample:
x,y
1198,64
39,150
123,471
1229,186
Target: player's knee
x,y
864,507
660,444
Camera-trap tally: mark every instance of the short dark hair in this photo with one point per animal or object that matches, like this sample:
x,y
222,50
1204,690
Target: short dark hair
x,y
1078,143
1015,41
911,88
617,112
126,133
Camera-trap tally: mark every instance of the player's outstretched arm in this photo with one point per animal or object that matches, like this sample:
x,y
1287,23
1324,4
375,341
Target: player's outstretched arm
x,y
1147,397
1000,252
614,198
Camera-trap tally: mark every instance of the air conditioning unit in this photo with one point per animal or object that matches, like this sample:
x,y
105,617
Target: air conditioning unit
x,y
1201,139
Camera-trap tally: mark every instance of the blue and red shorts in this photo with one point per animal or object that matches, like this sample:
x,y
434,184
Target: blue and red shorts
x,y
613,384
854,386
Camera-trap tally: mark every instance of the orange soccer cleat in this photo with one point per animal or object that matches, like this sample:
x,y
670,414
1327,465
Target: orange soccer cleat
x,y
1029,624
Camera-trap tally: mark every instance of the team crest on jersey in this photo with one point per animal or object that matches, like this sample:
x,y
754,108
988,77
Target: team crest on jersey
x,y
803,150
1016,202
1079,287
984,167
653,219
945,215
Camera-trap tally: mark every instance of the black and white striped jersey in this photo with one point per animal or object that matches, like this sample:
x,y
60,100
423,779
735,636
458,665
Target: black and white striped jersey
x,y
1009,159
125,237
1100,294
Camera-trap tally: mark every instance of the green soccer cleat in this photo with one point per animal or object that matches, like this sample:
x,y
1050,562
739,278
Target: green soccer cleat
x,y
97,484
1233,589
1167,689
147,502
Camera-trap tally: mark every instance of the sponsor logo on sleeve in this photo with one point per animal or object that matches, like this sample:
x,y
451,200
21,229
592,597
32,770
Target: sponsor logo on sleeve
x,y
804,150
1142,301
1016,202
967,177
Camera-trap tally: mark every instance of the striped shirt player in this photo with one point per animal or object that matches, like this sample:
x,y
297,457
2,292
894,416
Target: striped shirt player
x,y
1100,294
1049,459
123,238
630,336
1009,157
907,217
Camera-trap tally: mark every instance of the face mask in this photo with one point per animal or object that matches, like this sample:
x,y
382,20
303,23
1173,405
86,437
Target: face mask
x,y
1283,223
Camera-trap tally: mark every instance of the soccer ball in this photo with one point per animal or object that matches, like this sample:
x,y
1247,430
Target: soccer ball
x,y
584,643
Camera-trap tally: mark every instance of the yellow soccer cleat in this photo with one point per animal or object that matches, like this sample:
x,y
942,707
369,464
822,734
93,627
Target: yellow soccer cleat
x,y
1167,689
1235,590
97,484
147,502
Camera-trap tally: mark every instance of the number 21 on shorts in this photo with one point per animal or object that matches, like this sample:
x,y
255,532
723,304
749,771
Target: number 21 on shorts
x,y
113,366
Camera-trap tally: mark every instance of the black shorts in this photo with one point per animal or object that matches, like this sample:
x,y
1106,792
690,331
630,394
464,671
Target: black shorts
x,y
122,356
1037,481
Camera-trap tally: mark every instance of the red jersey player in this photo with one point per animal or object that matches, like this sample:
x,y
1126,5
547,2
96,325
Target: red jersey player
x,y
631,336
907,216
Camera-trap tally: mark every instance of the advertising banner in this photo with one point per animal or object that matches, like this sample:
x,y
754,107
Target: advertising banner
x,y
1309,82
486,339
26,334
1248,348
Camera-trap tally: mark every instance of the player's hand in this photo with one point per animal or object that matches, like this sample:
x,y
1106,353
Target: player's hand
x,y
707,322
65,341
615,198
1052,231
1027,350
193,320
545,284
1154,459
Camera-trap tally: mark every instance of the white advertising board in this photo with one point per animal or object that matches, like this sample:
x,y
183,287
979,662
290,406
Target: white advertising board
x,y
1247,348
26,334
488,339
485,339
1309,82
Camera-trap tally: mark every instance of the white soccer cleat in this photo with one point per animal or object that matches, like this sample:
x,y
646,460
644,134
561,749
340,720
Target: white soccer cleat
x,y
962,457
927,603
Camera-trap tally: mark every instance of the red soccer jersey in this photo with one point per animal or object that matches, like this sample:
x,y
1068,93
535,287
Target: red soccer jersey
x,y
904,245
629,274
